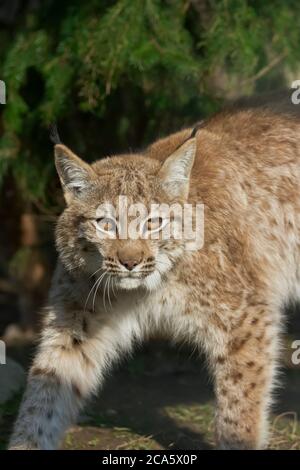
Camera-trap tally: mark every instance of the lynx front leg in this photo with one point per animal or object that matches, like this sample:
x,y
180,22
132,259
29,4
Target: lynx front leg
x,y
68,368
244,377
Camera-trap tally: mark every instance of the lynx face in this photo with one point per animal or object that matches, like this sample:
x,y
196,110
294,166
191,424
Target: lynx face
x,y
92,233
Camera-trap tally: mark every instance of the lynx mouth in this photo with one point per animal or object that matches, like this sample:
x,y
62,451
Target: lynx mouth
x,y
148,276
126,280
129,282
131,274
134,280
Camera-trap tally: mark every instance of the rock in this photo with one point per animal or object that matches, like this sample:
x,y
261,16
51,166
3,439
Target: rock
x,y
12,379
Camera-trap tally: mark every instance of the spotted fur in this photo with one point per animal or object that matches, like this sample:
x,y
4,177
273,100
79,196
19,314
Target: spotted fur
x,y
225,299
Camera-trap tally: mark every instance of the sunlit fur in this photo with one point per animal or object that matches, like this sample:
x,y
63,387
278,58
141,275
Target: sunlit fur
x,y
225,299
138,179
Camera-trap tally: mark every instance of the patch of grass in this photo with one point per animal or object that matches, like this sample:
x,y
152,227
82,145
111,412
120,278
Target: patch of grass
x,y
201,417
69,441
285,432
8,413
89,438
137,442
93,442
284,428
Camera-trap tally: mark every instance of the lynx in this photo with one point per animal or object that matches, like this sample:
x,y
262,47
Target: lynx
x,y
226,299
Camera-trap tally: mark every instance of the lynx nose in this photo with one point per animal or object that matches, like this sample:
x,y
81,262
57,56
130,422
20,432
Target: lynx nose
x,y
130,262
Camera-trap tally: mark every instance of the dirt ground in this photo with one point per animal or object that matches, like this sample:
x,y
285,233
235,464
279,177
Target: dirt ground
x,y
160,399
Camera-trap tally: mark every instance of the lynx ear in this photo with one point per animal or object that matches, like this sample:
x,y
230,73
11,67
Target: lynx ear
x,y
75,175
176,170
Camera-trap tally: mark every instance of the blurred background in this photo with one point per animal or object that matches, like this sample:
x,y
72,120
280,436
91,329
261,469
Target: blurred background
x,y
115,75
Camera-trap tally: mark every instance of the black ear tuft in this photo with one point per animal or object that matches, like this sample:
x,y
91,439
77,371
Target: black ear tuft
x,y
196,128
54,135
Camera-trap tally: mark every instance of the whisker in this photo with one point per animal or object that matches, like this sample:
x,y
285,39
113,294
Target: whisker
x,y
113,285
104,293
108,291
105,287
96,272
89,294
97,287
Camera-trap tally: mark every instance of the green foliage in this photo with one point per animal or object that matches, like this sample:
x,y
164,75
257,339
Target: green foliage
x,y
8,412
116,74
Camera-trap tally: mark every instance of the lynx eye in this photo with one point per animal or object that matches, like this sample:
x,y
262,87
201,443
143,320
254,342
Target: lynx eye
x,y
106,224
154,224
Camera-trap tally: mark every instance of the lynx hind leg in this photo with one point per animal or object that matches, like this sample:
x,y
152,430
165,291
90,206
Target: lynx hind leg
x,y
69,366
244,378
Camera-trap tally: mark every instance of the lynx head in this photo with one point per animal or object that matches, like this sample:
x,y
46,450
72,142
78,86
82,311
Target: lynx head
x,y
92,233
